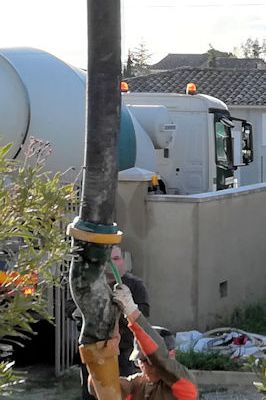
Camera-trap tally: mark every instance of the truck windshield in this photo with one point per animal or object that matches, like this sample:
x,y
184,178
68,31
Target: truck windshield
x,y
223,144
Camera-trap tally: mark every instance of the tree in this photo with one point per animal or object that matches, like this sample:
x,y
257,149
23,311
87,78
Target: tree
x,y
140,57
264,48
33,208
256,49
252,48
127,72
212,54
247,48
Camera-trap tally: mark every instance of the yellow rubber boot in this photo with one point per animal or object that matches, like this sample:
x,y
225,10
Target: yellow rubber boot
x,y
101,359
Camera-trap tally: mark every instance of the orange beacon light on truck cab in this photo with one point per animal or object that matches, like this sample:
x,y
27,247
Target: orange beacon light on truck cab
x,y
124,87
191,88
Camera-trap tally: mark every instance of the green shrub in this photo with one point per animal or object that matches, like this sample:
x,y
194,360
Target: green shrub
x,y
251,318
208,361
33,206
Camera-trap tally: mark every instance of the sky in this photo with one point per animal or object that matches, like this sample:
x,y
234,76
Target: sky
x,y
165,26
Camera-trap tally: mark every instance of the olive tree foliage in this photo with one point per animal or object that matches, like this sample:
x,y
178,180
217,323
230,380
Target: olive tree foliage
x,y
33,206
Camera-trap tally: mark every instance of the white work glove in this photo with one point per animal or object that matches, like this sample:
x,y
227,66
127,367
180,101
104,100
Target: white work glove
x,y
123,298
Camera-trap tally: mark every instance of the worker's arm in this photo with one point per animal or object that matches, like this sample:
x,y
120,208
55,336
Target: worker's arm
x,y
130,386
70,308
174,374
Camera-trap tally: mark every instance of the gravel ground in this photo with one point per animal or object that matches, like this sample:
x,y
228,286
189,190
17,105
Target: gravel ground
x,y
41,384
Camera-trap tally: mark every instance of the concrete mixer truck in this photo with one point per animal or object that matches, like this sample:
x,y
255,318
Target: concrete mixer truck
x,y
190,140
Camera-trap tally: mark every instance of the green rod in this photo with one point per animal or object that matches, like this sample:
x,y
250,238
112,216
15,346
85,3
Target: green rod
x,y
115,272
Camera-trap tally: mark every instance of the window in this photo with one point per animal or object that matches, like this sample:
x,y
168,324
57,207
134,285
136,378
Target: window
x,y
223,144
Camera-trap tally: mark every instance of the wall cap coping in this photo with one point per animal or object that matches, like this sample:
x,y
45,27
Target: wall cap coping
x,y
209,196
221,378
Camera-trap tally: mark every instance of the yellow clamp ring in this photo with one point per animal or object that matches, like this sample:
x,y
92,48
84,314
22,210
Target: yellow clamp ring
x,y
92,237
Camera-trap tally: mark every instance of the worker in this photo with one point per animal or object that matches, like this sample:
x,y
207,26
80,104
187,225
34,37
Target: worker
x,y
161,376
140,297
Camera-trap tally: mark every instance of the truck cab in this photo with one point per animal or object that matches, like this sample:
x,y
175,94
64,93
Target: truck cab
x,y
207,144
190,140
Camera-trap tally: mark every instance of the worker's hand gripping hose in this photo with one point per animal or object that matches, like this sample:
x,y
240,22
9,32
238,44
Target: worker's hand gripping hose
x,y
124,299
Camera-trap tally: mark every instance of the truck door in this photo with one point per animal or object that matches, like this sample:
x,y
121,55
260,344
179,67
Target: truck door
x,y
224,152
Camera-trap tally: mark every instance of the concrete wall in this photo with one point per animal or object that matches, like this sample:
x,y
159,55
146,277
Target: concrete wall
x,y
200,256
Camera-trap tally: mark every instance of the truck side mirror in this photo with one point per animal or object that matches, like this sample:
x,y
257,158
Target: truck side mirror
x,y
247,143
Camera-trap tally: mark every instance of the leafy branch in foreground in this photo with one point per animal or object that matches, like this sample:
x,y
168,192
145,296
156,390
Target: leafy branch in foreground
x,y
8,378
33,207
258,365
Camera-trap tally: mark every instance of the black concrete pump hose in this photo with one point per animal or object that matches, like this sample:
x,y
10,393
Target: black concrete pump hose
x,y
94,232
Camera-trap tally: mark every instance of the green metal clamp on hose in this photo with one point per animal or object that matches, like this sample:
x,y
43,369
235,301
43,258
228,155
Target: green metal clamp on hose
x,y
115,273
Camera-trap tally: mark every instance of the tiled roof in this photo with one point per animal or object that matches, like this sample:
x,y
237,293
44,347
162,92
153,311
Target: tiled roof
x,y
239,63
173,61
241,87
